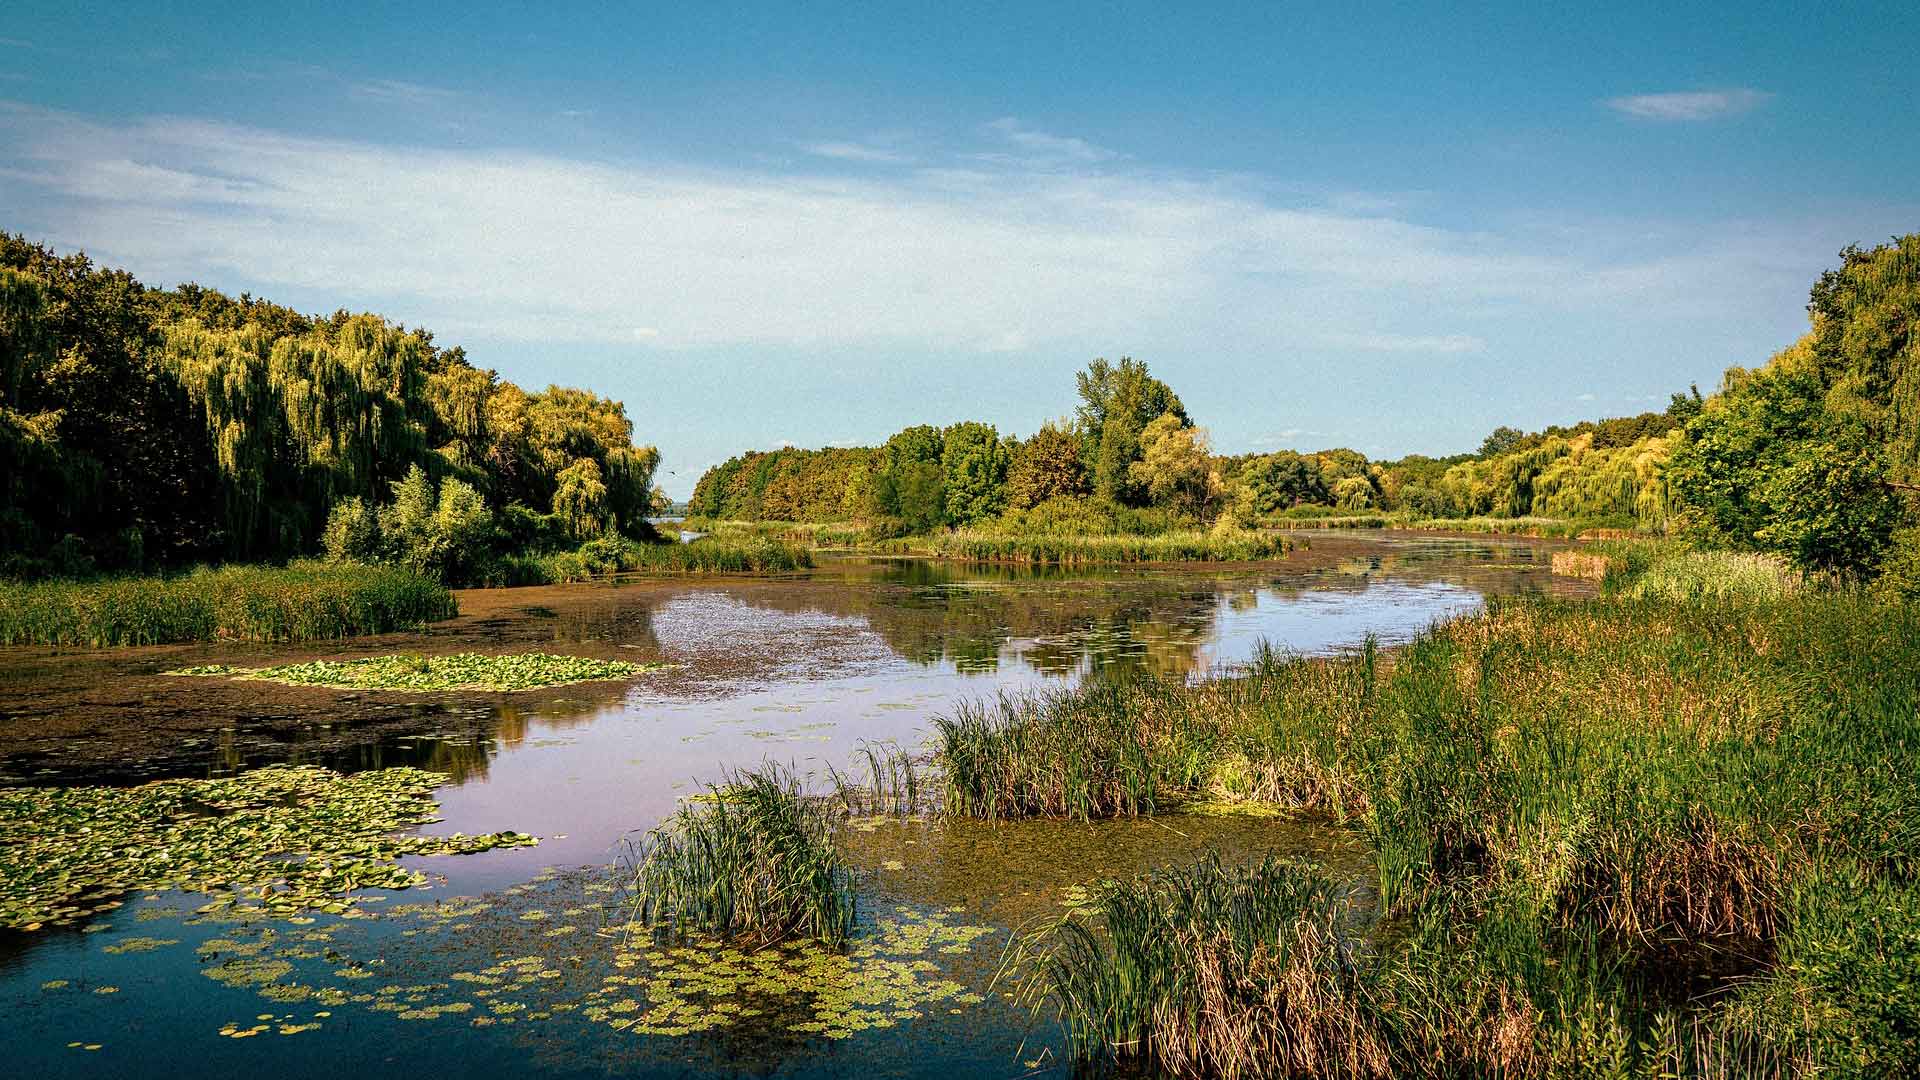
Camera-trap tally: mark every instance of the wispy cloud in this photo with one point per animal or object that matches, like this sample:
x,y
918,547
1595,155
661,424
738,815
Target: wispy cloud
x,y
1026,258
401,92
854,151
1372,341
1044,145
1689,104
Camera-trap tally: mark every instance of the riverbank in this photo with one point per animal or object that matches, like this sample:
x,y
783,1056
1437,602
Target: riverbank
x,y
1626,835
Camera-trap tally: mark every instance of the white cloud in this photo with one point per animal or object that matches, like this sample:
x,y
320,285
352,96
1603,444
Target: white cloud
x,y
401,92
1026,258
853,151
1042,145
1689,104
1421,343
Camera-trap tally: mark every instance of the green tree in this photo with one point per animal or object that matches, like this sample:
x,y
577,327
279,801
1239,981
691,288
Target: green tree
x,y
1175,469
974,463
1279,481
1046,466
1117,402
909,481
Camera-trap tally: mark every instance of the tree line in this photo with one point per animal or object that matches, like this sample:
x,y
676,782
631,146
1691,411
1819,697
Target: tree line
x,y
1131,446
144,427
1814,456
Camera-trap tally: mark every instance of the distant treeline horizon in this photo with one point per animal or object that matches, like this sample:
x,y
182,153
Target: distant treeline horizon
x,y
145,428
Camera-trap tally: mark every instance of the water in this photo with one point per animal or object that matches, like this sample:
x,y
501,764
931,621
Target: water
x,y
802,670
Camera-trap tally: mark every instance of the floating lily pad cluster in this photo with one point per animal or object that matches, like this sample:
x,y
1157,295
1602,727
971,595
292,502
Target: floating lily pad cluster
x,y
482,962
413,673
805,987
275,841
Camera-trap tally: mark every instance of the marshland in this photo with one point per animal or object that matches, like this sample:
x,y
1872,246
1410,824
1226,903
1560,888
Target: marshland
x,y
366,712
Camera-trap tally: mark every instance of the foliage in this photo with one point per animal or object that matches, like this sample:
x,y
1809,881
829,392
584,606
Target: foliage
x,y
1175,469
432,674
1234,545
283,839
1813,456
1046,466
302,602
974,461
754,860
156,427
1117,402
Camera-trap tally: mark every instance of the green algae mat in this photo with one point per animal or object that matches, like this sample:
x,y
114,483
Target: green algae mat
x,y
409,673
278,841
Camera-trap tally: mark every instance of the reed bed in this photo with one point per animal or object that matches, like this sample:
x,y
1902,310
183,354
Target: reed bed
x,y
305,601
1608,834
706,555
1213,970
1239,545
753,860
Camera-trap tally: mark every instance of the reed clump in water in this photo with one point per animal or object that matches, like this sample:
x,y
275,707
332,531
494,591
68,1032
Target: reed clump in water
x,y
1215,970
753,860
304,601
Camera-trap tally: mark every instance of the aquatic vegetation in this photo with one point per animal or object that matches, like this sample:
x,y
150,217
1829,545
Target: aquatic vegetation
x,y
753,861
414,673
1656,571
478,962
706,555
305,601
1073,753
1212,970
281,840
1233,545
1580,564
1627,824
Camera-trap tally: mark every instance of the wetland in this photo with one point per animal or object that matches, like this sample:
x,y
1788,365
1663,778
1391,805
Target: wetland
x,y
494,933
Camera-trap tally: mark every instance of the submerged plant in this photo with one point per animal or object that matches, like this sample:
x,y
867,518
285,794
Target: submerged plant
x,y
754,860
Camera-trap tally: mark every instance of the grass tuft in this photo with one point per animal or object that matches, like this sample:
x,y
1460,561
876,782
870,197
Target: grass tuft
x,y
754,860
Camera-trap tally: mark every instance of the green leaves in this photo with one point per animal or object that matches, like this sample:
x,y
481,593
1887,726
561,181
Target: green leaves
x,y
278,841
413,673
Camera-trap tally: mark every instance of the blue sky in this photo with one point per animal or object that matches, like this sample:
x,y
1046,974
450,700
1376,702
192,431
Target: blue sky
x,y
1387,227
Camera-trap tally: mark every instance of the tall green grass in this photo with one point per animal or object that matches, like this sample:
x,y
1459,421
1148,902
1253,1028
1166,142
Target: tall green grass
x,y
1066,550
745,554
1610,837
301,602
1213,970
752,860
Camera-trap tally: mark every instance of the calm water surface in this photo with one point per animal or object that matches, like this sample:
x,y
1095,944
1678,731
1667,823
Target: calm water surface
x,y
802,670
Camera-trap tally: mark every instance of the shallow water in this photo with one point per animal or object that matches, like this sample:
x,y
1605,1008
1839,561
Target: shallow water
x,y
802,669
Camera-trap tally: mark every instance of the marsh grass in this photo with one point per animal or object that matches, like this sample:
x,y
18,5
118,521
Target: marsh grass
x,y
304,601
706,555
1216,970
753,861
893,784
1607,824
1233,545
